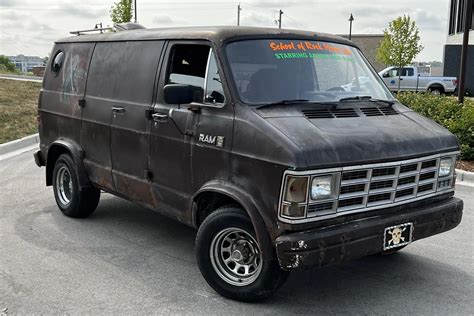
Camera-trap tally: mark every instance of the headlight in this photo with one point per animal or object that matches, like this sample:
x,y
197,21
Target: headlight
x,y
445,167
323,187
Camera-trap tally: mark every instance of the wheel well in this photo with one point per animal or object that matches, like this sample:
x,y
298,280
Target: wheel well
x,y
53,154
208,202
436,86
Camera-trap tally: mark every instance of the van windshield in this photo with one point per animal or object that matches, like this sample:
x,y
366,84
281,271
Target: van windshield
x,y
269,70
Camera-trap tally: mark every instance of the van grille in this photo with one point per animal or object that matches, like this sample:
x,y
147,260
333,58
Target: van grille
x,y
374,186
349,112
388,184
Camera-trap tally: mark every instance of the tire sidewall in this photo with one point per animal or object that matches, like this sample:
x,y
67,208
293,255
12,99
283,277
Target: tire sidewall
x,y
261,287
66,160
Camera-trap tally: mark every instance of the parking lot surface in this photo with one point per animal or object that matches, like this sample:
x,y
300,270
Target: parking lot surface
x,y
127,259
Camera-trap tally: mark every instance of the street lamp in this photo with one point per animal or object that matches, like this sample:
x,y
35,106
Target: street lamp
x,y
351,18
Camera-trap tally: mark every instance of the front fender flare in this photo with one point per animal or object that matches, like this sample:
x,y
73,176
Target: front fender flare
x,y
239,195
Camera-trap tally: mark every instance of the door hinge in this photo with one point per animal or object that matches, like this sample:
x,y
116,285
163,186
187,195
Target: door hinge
x,y
148,175
82,103
189,132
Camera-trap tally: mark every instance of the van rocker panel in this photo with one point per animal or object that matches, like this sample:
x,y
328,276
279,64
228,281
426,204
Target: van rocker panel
x,y
355,239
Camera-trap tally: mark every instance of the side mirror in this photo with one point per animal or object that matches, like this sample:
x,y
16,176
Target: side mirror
x,y
386,75
178,94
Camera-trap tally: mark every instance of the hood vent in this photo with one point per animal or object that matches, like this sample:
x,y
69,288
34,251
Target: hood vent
x,y
379,111
330,113
348,112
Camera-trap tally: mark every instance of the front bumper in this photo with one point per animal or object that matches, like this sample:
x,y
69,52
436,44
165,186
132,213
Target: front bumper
x,y
338,243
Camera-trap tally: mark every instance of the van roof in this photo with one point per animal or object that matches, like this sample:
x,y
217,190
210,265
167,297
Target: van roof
x,y
216,34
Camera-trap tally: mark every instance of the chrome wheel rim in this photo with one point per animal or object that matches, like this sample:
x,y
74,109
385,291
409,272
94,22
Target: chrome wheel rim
x,y
64,185
236,257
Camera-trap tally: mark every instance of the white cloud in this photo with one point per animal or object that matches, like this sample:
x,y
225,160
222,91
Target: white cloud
x,y
36,24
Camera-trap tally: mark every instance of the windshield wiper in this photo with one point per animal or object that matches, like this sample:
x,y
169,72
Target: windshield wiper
x,y
283,102
366,98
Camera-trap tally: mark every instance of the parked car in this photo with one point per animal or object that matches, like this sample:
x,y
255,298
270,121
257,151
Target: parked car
x,y
248,135
412,80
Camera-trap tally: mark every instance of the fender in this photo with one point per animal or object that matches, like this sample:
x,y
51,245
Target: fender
x,y
242,197
77,154
436,82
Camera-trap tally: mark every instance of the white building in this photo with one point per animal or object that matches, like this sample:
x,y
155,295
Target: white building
x,y
26,63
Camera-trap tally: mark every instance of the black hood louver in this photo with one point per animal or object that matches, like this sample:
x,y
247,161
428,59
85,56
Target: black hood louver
x,y
349,112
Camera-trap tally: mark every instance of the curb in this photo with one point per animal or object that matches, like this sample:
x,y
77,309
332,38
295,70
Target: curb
x,y
19,144
465,177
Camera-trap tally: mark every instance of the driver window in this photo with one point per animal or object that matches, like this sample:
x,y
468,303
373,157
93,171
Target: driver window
x,y
188,64
393,73
214,90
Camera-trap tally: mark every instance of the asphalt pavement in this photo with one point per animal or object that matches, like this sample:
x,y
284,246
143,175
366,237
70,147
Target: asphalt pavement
x,y
126,259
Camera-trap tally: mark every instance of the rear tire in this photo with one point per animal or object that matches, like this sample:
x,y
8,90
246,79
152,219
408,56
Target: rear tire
x,y
72,200
230,259
436,90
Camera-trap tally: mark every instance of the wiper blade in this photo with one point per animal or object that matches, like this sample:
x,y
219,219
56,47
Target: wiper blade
x,y
284,102
366,98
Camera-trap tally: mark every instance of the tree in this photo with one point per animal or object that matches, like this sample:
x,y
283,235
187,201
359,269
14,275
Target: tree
x,y
400,45
121,11
6,65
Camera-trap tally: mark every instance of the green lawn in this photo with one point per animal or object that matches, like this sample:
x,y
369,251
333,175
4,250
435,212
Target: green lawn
x,y
18,109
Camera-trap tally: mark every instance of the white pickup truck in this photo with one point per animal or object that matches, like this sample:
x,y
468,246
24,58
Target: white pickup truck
x,y
412,80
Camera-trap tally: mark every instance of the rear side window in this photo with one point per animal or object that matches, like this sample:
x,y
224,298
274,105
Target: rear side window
x,y
57,62
407,72
188,66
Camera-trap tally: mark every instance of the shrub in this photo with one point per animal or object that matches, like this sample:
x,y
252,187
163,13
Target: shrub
x,y
457,118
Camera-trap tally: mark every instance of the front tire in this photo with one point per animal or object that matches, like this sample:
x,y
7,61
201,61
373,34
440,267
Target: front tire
x,y
230,259
72,200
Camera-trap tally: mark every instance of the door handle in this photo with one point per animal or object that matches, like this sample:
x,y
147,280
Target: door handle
x,y
159,117
401,79
118,110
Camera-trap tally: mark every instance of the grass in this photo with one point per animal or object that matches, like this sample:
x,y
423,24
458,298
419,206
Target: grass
x,y
18,109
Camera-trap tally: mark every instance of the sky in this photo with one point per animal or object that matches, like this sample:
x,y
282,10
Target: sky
x,y
30,27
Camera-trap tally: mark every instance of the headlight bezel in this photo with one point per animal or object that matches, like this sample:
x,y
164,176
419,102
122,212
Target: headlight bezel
x,y
310,177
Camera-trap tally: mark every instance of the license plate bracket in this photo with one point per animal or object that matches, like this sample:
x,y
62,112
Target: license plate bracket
x,y
397,236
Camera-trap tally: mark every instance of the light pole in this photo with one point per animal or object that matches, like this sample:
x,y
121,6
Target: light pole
x,y
135,9
238,14
280,13
351,19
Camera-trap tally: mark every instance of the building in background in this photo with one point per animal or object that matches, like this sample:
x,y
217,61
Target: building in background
x,y
368,44
452,49
434,69
27,63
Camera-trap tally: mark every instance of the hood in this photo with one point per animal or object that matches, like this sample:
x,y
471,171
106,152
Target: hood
x,y
359,134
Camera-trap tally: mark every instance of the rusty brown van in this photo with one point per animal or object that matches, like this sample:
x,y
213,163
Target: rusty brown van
x,y
283,148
